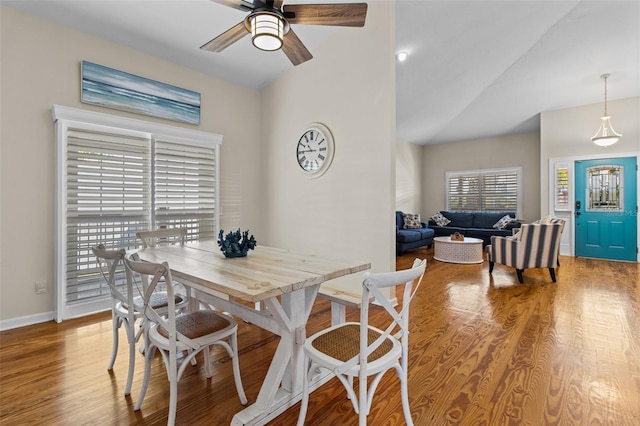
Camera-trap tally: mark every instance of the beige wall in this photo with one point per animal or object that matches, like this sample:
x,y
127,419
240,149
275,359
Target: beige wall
x,y
346,212
409,182
567,133
506,151
41,67
350,87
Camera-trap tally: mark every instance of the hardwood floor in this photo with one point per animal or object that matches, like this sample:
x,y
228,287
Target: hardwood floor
x,y
483,351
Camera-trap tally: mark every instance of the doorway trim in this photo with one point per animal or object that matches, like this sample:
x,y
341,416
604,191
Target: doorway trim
x,y
567,246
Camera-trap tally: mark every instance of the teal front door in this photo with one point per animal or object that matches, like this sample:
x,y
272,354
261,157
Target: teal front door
x,y
606,208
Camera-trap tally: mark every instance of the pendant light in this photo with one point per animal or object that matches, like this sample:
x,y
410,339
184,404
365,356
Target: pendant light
x,y
605,136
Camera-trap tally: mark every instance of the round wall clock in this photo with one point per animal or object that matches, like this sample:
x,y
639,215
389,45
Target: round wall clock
x,y
315,150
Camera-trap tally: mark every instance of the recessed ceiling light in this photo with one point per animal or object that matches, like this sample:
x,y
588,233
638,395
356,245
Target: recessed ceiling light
x,y
402,56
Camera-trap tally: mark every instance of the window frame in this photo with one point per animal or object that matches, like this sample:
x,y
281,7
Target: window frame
x,y
486,172
66,118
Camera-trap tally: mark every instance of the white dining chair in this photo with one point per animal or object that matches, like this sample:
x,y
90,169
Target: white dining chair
x,y
191,332
167,237
127,303
162,237
123,306
361,350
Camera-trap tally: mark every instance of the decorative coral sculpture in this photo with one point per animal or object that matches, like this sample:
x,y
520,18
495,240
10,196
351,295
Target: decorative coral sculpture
x,y
236,244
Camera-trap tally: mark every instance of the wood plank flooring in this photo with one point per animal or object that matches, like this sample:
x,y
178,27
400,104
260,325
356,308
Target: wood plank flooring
x,y
483,351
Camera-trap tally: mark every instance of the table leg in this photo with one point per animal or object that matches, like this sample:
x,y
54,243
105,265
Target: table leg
x,y
282,386
338,313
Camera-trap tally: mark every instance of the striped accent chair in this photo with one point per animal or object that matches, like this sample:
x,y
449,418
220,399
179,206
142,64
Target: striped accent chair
x,y
535,246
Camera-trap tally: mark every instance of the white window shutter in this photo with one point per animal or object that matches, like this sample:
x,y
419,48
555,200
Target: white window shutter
x,y
489,190
185,188
116,176
108,201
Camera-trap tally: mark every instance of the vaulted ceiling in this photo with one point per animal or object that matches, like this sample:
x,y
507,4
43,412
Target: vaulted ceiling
x,y
475,69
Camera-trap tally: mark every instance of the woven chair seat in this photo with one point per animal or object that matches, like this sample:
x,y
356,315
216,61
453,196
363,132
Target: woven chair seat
x,y
198,324
157,300
343,343
171,333
342,348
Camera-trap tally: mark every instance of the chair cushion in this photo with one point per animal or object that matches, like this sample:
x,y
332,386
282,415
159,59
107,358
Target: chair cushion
x,y
343,343
411,221
487,233
424,232
408,235
459,219
198,324
158,300
487,220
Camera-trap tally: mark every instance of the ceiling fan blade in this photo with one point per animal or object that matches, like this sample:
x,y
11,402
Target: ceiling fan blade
x,y
243,5
294,49
344,15
226,39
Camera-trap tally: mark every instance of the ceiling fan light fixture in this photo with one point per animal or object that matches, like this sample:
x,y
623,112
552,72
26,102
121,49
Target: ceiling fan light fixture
x,y
267,30
605,136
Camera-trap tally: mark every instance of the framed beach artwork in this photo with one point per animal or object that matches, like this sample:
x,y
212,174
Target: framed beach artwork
x,y
110,88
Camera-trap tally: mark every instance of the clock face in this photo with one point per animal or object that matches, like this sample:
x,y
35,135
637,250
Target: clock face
x,y
315,150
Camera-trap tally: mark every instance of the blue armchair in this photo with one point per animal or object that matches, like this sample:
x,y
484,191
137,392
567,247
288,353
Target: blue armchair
x,y
411,238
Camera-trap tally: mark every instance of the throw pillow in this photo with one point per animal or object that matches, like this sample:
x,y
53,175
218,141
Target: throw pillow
x,y
411,221
440,220
502,223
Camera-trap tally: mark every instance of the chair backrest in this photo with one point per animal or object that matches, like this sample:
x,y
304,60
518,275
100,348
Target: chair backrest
x,y
409,280
149,274
539,244
109,261
162,237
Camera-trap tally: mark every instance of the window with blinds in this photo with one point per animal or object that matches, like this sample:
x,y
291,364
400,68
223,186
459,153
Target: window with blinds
x,y
561,188
108,201
116,180
494,190
184,188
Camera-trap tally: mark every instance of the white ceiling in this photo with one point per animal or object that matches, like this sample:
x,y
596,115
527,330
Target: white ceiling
x,y
476,68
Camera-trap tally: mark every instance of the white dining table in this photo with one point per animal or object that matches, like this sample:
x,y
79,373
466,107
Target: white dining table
x,y
285,282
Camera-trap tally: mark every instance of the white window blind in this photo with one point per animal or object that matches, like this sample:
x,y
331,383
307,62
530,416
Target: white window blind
x,y
116,176
492,190
184,188
561,188
108,201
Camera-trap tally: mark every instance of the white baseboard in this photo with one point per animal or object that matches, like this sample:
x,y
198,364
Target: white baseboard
x,y
10,323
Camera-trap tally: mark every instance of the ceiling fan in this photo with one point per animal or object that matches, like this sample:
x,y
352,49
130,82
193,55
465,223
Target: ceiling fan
x,y
269,24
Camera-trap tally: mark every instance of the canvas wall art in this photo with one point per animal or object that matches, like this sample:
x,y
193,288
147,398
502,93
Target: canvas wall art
x,y
111,88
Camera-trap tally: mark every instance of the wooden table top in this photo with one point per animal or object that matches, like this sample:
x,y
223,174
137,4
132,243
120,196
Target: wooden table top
x,y
265,272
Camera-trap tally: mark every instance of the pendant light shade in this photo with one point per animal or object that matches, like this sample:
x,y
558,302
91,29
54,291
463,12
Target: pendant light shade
x,y
605,136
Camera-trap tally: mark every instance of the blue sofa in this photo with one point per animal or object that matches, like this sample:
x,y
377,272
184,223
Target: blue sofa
x,y
411,238
476,225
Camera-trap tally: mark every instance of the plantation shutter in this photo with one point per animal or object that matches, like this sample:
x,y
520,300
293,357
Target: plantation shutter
x,y
464,193
116,176
495,190
561,187
185,188
108,200
499,192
